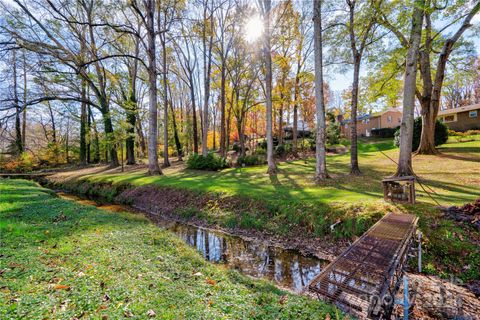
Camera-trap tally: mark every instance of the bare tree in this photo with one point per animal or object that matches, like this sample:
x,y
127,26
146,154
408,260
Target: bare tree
x,y
18,109
207,40
320,153
266,10
187,62
360,33
225,41
406,128
148,20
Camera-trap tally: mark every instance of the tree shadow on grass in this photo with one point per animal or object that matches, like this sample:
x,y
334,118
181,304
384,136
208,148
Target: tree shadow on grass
x,y
464,192
468,153
35,213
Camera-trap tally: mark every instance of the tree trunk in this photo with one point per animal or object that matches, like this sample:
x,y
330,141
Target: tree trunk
x,y
166,161
67,146
24,115
96,140
153,167
406,129
18,129
178,145
207,55
241,137
280,111
227,129
272,168
296,95
320,153
89,140
108,126
52,119
132,108
194,115
214,132
141,137
131,122
427,137
222,109
83,125
354,168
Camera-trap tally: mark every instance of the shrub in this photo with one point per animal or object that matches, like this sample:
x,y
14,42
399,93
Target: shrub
x,y
333,130
472,132
280,150
453,133
345,142
212,162
384,132
251,160
311,144
53,154
262,145
236,147
261,152
441,133
20,164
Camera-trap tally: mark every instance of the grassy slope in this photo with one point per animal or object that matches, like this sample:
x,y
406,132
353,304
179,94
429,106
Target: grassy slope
x,y
63,260
453,175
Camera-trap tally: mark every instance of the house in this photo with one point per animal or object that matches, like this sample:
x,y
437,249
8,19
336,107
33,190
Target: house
x,y
462,118
303,130
389,118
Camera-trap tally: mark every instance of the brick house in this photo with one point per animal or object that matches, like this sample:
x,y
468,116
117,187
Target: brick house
x,y
462,118
390,118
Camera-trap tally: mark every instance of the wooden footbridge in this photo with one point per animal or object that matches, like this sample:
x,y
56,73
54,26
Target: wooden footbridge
x,y
364,279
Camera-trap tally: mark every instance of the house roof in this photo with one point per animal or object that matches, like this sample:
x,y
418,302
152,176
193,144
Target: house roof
x,y
458,110
372,115
378,114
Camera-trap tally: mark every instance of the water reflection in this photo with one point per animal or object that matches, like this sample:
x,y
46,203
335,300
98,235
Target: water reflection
x,y
287,268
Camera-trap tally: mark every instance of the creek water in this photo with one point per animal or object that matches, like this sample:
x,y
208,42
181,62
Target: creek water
x,y
287,268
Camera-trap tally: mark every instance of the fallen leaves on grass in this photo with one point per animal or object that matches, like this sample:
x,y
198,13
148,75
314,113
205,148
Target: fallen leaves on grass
x,y
210,281
62,287
102,307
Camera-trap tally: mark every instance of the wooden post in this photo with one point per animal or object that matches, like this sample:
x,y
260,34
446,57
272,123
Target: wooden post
x,y
121,153
406,303
385,191
419,252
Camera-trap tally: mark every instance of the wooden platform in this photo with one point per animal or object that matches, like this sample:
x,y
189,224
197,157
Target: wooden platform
x,y
364,278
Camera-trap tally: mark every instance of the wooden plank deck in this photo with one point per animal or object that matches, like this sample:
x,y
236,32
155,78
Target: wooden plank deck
x,y
363,278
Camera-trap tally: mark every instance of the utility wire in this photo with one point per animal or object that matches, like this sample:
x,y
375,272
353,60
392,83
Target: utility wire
x,y
418,180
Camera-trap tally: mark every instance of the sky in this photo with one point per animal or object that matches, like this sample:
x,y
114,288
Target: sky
x,y
341,81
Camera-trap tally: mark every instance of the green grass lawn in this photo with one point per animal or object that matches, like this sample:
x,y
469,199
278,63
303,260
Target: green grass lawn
x,y
299,207
452,175
62,260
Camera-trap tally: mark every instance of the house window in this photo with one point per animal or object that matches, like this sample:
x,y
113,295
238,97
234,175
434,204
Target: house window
x,y
389,119
450,118
399,120
473,114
